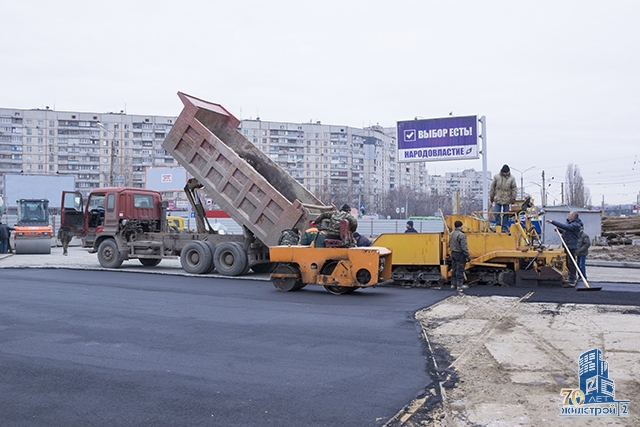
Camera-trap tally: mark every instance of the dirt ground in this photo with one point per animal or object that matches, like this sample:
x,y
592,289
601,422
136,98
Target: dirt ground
x,y
621,253
503,362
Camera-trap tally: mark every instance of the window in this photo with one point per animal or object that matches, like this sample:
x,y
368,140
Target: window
x,y
142,200
111,202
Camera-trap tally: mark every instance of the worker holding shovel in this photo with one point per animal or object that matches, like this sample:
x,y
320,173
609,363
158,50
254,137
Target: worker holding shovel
x,y
570,232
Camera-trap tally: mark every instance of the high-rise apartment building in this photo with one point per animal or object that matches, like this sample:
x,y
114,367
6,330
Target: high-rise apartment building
x,y
100,149
468,183
337,163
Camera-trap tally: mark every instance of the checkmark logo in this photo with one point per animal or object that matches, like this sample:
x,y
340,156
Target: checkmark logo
x,y
410,135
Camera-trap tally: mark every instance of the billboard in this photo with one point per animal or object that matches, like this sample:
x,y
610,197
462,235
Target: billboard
x,y
166,178
430,140
43,186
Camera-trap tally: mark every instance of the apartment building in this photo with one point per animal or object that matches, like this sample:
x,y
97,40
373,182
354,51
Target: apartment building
x,y
468,183
100,149
337,163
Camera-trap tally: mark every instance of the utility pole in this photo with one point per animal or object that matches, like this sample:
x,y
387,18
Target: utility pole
x,y
562,192
406,207
113,155
544,192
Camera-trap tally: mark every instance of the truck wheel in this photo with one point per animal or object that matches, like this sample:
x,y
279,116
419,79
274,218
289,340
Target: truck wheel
x,y
212,248
149,262
230,259
247,266
109,254
195,258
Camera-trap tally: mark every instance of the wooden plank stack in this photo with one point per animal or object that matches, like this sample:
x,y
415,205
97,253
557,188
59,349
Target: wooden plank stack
x,y
621,230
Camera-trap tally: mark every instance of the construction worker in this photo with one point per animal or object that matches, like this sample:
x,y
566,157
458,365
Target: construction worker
x,y
289,237
314,235
335,218
502,194
65,235
5,234
459,256
570,234
410,228
361,240
584,242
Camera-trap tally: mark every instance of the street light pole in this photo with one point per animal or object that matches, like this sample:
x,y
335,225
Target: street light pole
x,y
113,152
522,180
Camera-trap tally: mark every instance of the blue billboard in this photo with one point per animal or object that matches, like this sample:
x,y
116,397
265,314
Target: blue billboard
x,y
430,140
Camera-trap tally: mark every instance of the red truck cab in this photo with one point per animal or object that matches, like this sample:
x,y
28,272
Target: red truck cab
x,y
109,211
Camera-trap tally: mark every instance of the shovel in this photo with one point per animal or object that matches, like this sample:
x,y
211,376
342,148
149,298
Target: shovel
x,y
584,279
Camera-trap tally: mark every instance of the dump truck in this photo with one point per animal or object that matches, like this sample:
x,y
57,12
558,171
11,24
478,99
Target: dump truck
x,y
33,232
121,224
515,257
129,223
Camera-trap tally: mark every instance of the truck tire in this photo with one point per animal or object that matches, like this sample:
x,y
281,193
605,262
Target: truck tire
x,y
109,255
195,258
230,259
212,248
149,262
247,267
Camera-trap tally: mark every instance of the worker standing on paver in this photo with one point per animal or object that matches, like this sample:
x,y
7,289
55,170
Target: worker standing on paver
x,y
502,194
459,256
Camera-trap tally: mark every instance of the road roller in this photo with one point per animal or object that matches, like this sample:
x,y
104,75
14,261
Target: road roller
x,y
32,233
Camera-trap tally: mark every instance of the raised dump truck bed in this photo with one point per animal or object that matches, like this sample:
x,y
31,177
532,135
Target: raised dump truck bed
x,y
259,195
256,192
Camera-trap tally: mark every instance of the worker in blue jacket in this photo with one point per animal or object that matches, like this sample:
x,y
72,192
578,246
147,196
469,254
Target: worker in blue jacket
x,y
570,234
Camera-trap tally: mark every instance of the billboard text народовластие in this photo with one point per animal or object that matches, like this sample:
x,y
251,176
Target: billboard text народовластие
x,y
447,138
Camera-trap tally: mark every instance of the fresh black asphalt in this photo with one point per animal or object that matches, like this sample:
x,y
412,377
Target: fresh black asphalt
x,y
98,348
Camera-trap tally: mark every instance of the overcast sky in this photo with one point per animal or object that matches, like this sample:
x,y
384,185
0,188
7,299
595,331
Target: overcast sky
x,y
558,81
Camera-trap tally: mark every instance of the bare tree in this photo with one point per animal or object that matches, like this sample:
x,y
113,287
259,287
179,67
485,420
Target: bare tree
x,y
469,203
576,194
